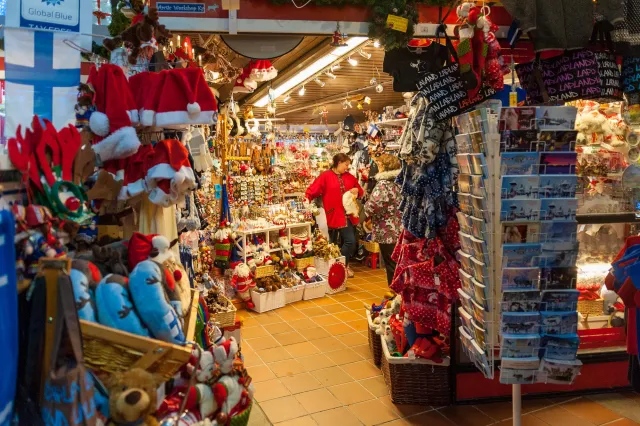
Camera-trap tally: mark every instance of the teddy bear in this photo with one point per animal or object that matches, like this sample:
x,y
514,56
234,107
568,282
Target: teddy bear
x,y
132,398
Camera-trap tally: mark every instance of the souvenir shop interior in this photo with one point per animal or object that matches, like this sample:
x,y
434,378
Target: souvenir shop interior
x,y
423,212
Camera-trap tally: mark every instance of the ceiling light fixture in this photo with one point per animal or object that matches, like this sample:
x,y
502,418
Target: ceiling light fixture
x,y
313,69
364,54
352,61
287,99
319,82
302,91
335,67
330,75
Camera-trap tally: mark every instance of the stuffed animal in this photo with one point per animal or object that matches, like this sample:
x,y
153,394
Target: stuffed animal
x,y
242,281
298,249
351,207
222,247
183,286
115,308
283,240
203,369
132,398
311,275
147,284
84,276
225,355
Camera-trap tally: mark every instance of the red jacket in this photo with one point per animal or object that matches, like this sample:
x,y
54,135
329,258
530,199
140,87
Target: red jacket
x,y
327,186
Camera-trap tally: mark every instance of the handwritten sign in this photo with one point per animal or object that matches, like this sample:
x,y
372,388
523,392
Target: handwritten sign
x,y
397,23
571,76
443,90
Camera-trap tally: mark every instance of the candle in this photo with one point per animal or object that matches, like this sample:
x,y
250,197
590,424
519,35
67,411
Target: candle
x,y
171,44
178,40
193,53
200,60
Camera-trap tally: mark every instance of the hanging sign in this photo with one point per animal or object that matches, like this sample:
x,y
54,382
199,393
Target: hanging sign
x,y
169,7
397,23
56,15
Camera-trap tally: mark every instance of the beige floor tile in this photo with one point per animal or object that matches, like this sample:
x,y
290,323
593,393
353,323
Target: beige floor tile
x,y
376,386
344,356
373,412
283,409
269,318
328,344
301,383
351,393
292,316
290,338
323,302
261,343
406,410
336,417
335,308
363,350
359,325
300,421
326,320
251,359
316,362
274,354
332,376
361,370
270,389
354,339
343,297
314,311
339,329
303,324
316,333
261,373
251,322
351,316
302,349
290,367
317,400
281,327
434,418
354,305
253,332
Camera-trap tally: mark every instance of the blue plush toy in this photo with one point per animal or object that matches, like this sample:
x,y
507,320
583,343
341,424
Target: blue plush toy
x,y
85,276
147,283
115,308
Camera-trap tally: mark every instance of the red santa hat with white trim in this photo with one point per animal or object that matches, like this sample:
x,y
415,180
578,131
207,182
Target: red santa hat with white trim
x,y
262,70
170,174
115,109
133,182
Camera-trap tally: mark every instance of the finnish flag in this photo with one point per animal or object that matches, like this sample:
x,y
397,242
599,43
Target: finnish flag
x,y
42,74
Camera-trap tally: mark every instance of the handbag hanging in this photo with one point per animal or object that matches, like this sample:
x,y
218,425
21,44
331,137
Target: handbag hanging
x,y
68,396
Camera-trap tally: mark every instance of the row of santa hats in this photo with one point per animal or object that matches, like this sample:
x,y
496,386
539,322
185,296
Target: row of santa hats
x,y
169,98
256,71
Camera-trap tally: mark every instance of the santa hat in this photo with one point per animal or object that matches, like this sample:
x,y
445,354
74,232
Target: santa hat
x,y
115,111
262,70
244,83
185,99
146,88
89,270
133,182
225,350
142,247
170,174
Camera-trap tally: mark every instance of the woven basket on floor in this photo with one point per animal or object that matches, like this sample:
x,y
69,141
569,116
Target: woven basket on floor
x,y
370,246
375,344
224,319
264,271
415,381
591,307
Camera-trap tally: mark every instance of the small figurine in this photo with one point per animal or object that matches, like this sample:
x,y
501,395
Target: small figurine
x,y
338,38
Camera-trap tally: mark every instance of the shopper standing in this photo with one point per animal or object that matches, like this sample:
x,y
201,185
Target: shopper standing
x,y
383,209
330,186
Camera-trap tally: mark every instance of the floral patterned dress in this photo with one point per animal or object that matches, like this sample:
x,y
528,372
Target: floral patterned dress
x,y
383,207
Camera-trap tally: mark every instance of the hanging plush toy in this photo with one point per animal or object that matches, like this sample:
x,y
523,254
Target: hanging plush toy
x,y
242,281
85,277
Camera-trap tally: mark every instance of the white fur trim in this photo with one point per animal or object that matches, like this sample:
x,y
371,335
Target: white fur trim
x,y
207,401
134,116
161,198
193,109
132,189
120,144
147,117
181,180
391,174
182,117
99,123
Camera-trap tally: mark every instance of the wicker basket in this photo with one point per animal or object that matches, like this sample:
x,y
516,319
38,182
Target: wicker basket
x,y
294,294
370,246
375,344
268,301
315,290
265,271
109,350
591,307
303,263
225,319
415,381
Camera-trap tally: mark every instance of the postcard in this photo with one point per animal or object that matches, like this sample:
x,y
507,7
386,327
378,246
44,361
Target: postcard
x,y
561,140
478,332
558,163
519,163
556,117
479,205
520,187
558,232
464,201
477,186
465,300
517,118
519,346
479,249
480,293
558,278
465,280
478,165
520,323
520,278
520,232
478,118
464,164
463,143
559,255
559,209
520,141
521,255
466,337
480,271
463,123
480,358
530,363
464,183
478,144
465,261
520,210
558,371
478,227
561,186
510,376
558,322
563,347
464,220
520,300
465,316
559,300
465,242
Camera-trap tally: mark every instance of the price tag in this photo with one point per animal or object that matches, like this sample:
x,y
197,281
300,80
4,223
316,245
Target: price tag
x,y
397,23
436,279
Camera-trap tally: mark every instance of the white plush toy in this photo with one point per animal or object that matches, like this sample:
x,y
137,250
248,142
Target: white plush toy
x,y
225,354
283,240
349,203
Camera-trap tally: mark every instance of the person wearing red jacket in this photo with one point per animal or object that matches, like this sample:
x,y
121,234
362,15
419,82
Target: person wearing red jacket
x,y
331,185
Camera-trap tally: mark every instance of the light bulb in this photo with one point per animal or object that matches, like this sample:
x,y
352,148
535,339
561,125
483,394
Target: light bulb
x,y
215,75
335,67
364,54
286,99
376,43
330,75
319,82
373,81
302,91
352,61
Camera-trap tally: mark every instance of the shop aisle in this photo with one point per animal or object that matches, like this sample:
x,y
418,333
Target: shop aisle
x,y
311,366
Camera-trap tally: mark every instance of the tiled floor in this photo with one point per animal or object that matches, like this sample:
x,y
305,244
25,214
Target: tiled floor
x,y
311,366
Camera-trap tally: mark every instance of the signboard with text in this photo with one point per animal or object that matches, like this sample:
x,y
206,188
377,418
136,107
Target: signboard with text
x,y
56,15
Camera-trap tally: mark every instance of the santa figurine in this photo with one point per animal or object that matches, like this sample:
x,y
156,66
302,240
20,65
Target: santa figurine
x,y
242,281
283,240
298,249
311,275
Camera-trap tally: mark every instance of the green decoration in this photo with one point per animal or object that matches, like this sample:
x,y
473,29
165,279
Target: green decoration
x,y
119,22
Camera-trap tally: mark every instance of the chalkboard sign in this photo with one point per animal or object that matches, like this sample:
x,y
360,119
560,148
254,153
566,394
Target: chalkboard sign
x,y
568,77
611,88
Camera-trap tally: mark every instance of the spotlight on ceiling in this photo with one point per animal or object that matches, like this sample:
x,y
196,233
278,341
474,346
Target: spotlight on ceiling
x,y
319,82
364,54
330,75
287,99
302,91
352,61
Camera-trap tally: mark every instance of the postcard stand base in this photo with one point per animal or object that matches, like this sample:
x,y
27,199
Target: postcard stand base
x,y
516,403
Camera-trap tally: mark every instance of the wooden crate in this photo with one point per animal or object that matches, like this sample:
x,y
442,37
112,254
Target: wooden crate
x,y
111,351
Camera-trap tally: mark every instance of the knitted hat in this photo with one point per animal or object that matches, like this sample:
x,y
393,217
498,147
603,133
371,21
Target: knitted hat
x,y
262,70
115,111
185,99
133,182
170,174
142,247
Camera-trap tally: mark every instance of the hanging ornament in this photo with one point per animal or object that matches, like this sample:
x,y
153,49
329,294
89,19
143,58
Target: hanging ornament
x,y
338,38
324,115
379,88
373,81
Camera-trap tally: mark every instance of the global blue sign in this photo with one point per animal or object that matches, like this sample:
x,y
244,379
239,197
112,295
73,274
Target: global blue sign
x,y
56,15
180,7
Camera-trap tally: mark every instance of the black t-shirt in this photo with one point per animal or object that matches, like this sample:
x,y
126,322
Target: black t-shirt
x,y
405,66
